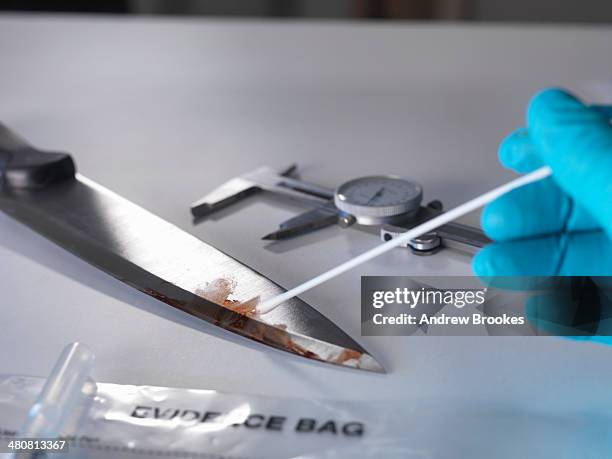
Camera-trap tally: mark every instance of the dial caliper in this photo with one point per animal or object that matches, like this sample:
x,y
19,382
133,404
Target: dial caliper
x,y
391,203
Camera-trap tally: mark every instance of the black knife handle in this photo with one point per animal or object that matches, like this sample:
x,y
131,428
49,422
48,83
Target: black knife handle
x,y
24,167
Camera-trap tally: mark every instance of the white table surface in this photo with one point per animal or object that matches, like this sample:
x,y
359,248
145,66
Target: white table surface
x,y
161,111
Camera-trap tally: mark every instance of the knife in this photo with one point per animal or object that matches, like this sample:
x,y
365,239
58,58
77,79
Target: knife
x,y
43,191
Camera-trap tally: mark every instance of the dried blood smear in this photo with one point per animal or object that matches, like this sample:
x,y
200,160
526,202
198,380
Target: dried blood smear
x,y
166,299
292,345
348,354
219,291
247,308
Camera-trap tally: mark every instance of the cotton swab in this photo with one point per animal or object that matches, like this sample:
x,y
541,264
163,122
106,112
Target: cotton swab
x,y
271,303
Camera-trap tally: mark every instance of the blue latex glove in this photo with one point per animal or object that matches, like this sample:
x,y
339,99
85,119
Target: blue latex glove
x,y
561,225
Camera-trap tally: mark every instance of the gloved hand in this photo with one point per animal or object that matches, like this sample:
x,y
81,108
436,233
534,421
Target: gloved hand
x,y
561,225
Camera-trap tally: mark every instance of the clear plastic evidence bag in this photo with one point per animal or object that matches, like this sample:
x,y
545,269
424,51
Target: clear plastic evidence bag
x,y
136,422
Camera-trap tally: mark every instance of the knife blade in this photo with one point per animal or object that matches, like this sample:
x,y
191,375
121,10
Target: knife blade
x,y
43,191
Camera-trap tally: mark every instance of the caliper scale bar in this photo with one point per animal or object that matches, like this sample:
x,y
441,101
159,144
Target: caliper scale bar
x,y
325,213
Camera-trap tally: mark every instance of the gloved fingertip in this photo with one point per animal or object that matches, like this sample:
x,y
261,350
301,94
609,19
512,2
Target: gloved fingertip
x,y
551,94
508,146
547,100
501,218
545,96
483,264
517,152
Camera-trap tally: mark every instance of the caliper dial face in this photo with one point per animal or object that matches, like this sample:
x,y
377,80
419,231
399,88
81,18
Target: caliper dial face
x,y
379,199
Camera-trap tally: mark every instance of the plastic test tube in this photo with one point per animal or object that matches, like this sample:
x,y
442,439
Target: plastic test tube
x,y
63,390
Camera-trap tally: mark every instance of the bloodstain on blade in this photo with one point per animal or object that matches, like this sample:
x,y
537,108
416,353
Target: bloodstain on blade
x,y
347,355
219,291
242,317
165,299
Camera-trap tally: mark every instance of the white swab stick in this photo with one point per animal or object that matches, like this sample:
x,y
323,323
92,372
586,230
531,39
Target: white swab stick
x,y
430,225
